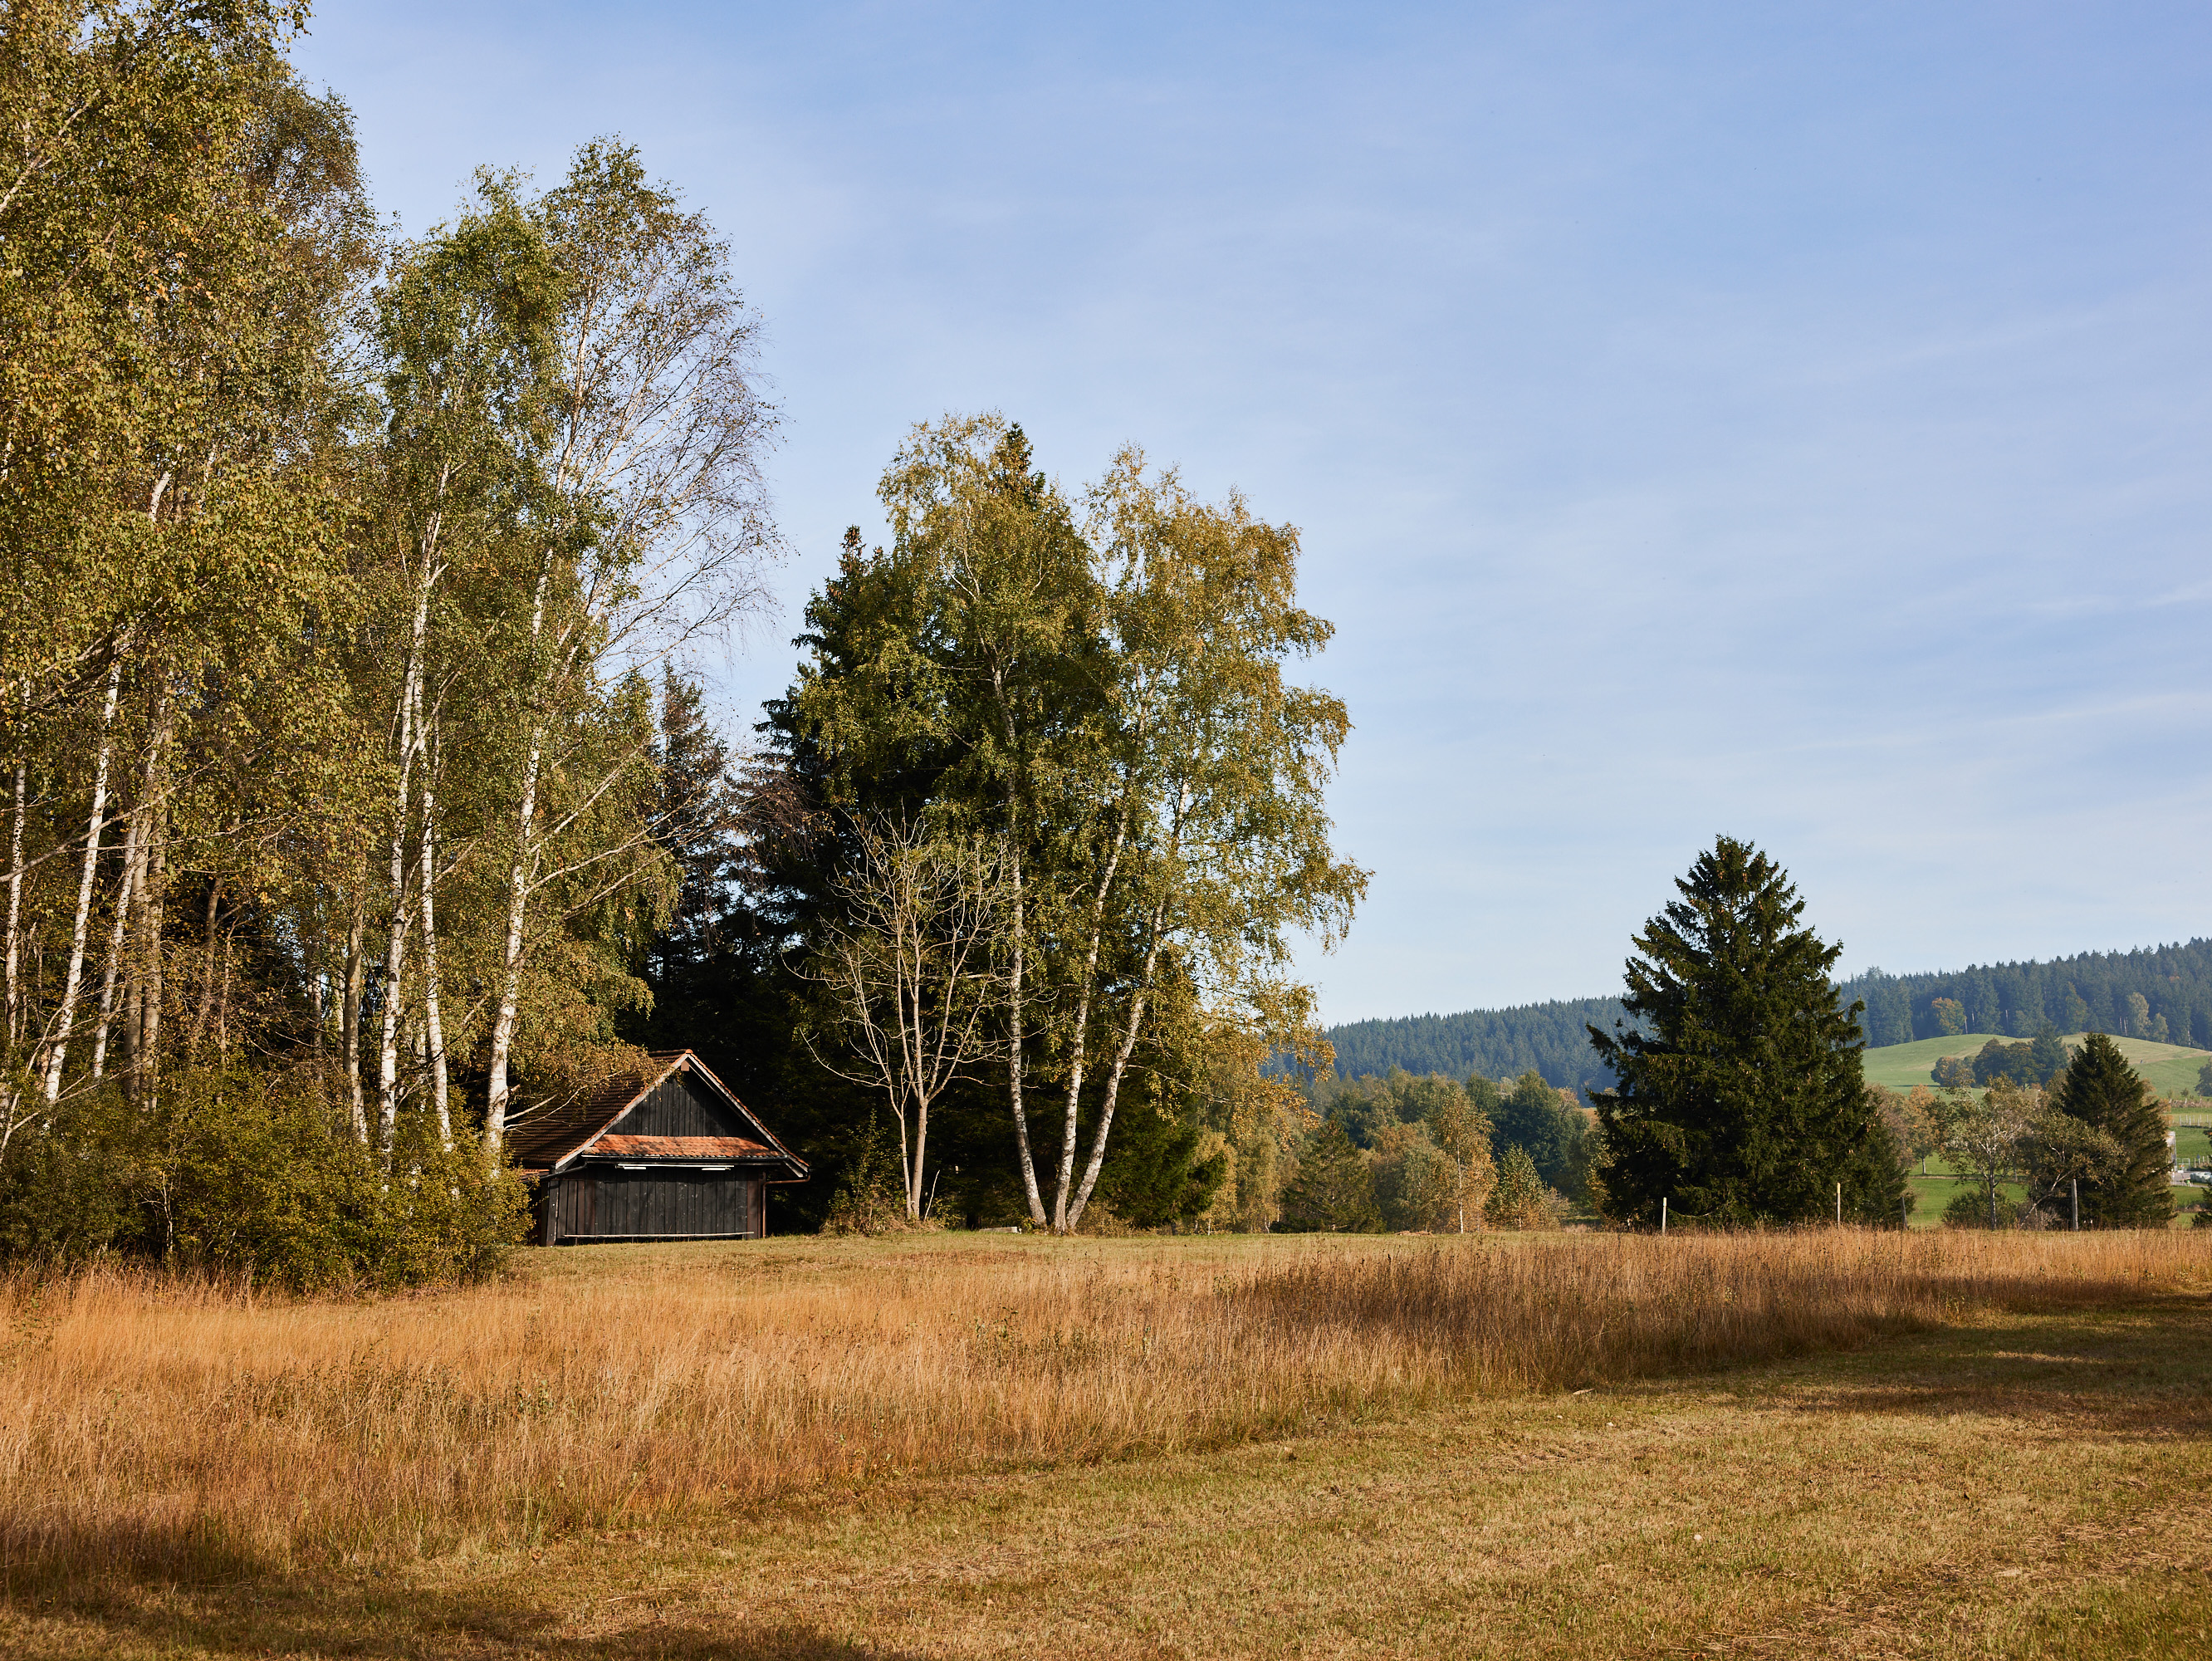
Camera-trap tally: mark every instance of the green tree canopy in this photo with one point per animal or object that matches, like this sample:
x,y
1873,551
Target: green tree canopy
x,y
2100,1089
1333,1190
1740,1099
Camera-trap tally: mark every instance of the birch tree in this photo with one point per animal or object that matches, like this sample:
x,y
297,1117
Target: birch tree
x,y
908,968
655,536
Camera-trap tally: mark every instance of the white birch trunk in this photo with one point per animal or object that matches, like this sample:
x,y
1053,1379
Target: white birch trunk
x,y
57,1049
119,936
16,902
520,875
510,983
433,1028
1061,1222
395,948
395,952
350,1019
1014,1015
1121,1066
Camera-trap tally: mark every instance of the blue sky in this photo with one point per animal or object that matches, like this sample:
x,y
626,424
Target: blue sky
x,y
1792,422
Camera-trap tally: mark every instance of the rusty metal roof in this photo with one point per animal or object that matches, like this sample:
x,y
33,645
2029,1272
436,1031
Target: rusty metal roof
x,y
550,1141
681,1147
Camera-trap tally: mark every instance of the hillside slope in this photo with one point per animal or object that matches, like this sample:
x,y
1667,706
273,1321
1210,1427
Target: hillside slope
x,y
2091,991
2170,1070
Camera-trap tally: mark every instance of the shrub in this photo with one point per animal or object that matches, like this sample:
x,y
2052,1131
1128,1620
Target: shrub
x,y
1971,1209
871,1199
243,1173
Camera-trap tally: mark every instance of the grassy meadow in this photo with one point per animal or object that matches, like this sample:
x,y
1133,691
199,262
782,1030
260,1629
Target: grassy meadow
x,y
2170,1070
976,1446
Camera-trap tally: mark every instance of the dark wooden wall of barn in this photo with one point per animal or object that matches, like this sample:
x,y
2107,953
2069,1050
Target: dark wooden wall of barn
x,y
678,1107
605,1202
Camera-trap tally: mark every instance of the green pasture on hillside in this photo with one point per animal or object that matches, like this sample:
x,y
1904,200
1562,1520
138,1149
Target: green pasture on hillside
x,y
2170,1070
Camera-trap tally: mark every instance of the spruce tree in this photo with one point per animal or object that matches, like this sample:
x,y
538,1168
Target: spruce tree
x,y
1739,1100
1334,1191
2099,1088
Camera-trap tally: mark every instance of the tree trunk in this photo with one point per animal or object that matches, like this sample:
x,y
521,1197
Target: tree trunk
x,y
1121,1066
1061,1222
205,1013
395,949
497,1104
57,1048
16,892
434,1029
119,934
1014,993
154,969
520,875
356,974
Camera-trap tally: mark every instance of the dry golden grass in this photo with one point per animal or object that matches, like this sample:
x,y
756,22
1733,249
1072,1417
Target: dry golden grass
x,y
147,1426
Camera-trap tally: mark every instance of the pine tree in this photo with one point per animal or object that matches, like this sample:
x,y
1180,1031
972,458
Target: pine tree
x,y
1334,1191
1740,1099
2099,1088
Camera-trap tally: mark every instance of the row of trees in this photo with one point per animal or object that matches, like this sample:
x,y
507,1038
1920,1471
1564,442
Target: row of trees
x,y
345,575
1552,1039
2164,995
2161,992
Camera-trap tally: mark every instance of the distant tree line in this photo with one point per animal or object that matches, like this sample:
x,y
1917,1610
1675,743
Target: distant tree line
x,y
1550,1039
2160,992
2163,993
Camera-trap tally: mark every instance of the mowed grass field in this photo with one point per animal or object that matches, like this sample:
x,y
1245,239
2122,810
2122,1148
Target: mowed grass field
x,y
2170,1069
1833,1442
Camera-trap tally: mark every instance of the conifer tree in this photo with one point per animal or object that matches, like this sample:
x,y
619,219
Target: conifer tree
x,y
1740,1099
1334,1191
2100,1089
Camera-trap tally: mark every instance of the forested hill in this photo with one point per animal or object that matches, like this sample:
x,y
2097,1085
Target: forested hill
x,y
2095,990
1552,1037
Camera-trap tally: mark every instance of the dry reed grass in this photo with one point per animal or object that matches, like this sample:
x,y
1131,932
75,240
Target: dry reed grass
x,y
149,1427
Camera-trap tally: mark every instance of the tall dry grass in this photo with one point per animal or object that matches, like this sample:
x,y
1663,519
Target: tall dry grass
x,y
151,1426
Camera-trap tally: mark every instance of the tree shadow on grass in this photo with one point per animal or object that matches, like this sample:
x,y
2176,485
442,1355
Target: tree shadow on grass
x,y
306,1618
2137,1374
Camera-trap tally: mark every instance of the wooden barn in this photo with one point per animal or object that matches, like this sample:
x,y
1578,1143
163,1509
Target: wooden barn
x,y
666,1154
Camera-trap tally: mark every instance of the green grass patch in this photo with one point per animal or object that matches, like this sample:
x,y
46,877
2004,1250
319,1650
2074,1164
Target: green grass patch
x,y
2170,1070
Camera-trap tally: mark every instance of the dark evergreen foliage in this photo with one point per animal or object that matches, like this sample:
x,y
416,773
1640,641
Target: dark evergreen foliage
x,y
1333,1190
1741,1100
1531,1118
2029,1063
2073,994
1551,1038
2099,1088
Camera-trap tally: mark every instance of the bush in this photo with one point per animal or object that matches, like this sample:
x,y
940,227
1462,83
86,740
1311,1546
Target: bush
x,y
1971,1210
239,1173
871,1199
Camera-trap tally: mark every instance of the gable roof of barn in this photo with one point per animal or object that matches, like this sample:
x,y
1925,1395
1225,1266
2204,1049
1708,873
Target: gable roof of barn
x,y
562,1134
